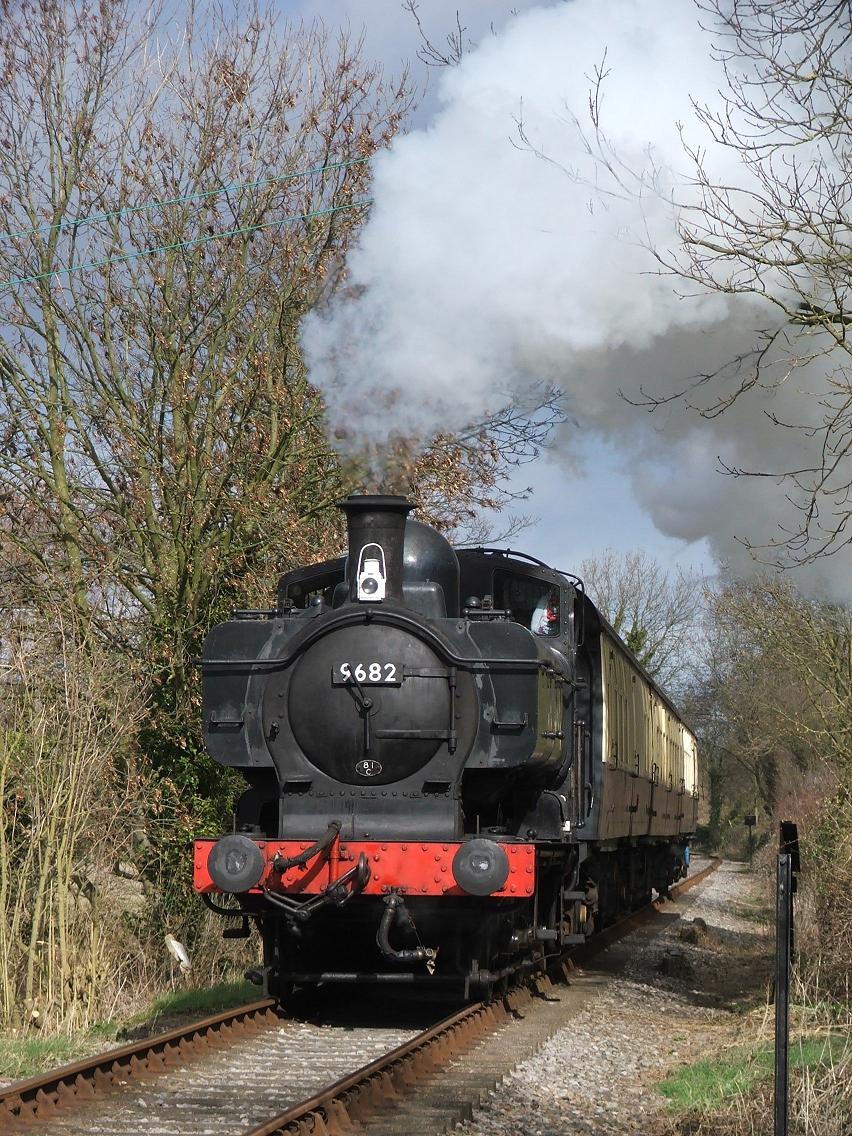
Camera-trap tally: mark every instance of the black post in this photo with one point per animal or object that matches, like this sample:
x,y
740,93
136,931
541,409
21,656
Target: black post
x,y
783,919
750,820
788,866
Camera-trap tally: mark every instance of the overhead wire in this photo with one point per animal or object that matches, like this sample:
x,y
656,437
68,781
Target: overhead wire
x,y
191,243
202,195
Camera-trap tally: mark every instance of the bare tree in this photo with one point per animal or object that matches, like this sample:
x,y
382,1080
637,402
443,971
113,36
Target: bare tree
x,y
177,188
430,53
772,706
780,233
788,671
173,197
656,612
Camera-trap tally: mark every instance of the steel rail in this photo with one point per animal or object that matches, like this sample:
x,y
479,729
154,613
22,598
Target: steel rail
x,y
40,1097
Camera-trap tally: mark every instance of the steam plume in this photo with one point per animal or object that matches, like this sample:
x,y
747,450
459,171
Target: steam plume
x,y
500,252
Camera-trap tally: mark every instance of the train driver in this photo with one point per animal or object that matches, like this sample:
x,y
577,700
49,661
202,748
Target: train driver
x,y
545,618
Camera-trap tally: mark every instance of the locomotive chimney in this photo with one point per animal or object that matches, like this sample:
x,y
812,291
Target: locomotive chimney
x,y
376,531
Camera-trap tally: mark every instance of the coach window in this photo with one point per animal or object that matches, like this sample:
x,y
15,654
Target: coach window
x,y
533,603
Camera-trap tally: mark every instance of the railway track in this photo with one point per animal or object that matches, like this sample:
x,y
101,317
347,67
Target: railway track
x,y
256,1072
44,1096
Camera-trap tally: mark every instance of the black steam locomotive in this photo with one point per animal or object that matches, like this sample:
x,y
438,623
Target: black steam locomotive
x,y
454,765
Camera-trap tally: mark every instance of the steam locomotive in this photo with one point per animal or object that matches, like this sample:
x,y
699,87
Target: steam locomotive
x,y
454,766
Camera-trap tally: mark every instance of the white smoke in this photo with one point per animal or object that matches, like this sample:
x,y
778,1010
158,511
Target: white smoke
x,y
500,252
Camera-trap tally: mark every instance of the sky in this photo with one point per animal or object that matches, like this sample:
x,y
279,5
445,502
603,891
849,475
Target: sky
x,y
499,253
578,516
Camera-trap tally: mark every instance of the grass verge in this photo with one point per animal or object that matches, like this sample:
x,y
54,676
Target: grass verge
x,y
27,1055
193,1003
733,1094
709,1083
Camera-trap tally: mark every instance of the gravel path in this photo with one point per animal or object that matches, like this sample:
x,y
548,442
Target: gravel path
x,y
666,996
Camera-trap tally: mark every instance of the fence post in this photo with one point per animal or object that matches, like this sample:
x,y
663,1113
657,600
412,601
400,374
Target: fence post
x,y
788,867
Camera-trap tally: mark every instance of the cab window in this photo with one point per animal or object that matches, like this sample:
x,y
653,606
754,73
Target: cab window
x,y
533,603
